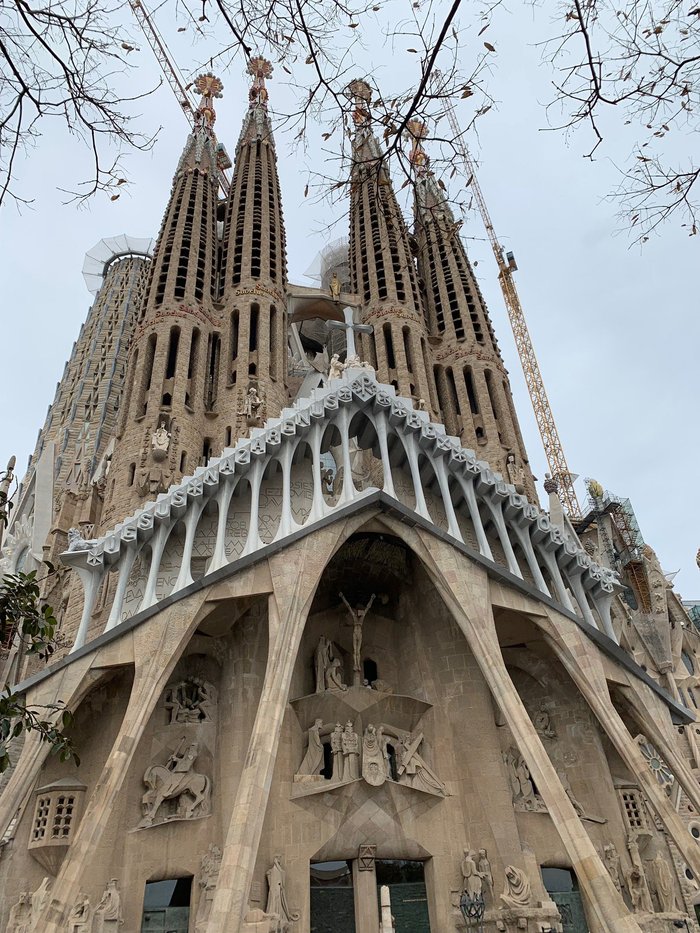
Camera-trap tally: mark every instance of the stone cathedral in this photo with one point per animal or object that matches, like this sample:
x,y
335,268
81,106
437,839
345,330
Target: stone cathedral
x,y
332,667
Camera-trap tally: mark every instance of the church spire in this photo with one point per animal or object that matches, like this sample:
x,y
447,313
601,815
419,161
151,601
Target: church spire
x,y
381,263
473,390
171,382
253,271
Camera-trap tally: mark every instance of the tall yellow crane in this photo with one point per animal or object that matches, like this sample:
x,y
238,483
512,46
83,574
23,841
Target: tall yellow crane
x,y
533,377
174,78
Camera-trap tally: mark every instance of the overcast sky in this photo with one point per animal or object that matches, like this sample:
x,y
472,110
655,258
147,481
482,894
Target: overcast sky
x,y
615,327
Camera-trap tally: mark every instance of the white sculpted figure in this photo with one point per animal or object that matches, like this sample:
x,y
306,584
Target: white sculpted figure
x,y
20,918
277,905
39,898
351,753
160,442
176,781
76,542
335,368
353,362
516,892
313,759
373,769
108,914
612,863
252,405
358,616
79,919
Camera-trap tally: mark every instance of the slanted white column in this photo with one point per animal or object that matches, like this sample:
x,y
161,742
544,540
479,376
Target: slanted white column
x,y
318,504
348,492
452,523
158,542
409,444
255,476
496,510
380,427
126,563
91,579
223,498
195,507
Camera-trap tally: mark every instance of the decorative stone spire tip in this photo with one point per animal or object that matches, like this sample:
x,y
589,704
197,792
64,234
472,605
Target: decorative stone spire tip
x,y
260,68
210,87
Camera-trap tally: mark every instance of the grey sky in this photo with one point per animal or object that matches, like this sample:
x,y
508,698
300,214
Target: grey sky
x,y
615,328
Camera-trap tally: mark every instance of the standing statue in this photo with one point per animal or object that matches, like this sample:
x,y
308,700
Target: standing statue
x,y
160,442
252,406
663,883
108,914
39,898
176,780
208,878
521,782
612,863
277,896
472,881
322,657
351,753
516,892
20,918
639,892
337,752
484,867
335,286
373,770
79,919
313,759
358,616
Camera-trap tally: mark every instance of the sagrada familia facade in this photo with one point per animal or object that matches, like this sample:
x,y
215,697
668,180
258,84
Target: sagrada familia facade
x,y
332,668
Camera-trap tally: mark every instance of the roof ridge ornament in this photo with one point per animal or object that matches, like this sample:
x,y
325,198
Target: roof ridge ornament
x,y
260,68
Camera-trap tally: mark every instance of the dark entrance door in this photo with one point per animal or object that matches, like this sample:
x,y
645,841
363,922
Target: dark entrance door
x,y
562,886
332,898
166,906
409,900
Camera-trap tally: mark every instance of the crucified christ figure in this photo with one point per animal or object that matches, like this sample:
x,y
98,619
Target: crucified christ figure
x,y
358,617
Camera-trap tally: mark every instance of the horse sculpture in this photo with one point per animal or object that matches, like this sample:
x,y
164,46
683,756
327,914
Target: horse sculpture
x,y
191,789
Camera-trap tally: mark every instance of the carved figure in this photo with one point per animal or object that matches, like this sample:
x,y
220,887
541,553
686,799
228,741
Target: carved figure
x,y
353,362
351,753
334,674
472,883
543,722
516,474
564,778
337,752
484,867
335,368
39,898
209,876
663,883
322,657
516,892
190,701
76,542
79,919
160,442
313,759
277,896
334,287
108,913
612,863
252,406
384,742
521,782
413,769
639,892
20,918
358,616
176,780
421,405
373,770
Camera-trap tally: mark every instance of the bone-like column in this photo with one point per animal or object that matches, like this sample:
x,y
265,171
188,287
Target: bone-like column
x,y
465,591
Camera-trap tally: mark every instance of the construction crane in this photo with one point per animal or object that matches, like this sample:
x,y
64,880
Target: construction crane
x,y
533,377
176,81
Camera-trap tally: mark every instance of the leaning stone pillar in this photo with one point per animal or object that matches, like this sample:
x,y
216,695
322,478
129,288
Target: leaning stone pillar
x,y
294,582
597,697
465,590
156,650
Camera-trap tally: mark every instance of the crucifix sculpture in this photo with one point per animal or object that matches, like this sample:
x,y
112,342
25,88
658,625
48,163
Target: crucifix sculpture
x,y
351,329
358,616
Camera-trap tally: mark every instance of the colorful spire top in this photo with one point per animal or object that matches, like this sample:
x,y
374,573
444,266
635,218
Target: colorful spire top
x,y
209,86
417,132
362,94
260,68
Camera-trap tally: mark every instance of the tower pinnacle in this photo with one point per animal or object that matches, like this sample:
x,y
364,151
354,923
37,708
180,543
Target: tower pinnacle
x,y
260,68
209,86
